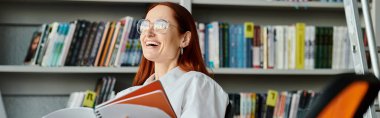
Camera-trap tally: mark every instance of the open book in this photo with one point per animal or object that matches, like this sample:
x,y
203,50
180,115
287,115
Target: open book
x,y
147,102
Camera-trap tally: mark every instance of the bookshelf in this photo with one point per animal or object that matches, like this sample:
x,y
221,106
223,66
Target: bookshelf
x,y
20,18
270,4
132,70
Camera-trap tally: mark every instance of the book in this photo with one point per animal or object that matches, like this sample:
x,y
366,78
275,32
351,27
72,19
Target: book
x,y
30,56
146,102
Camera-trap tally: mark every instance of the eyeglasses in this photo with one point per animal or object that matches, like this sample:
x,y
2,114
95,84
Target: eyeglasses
x,y
159,26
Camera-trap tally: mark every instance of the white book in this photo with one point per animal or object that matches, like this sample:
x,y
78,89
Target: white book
x,y
342,47
67,43
215,49
306,48
78,99
286,47
264,47
46,60
294,106
2,110
123,40
249,104
335,47
271,47
280,47
42,30
113,110
346,50
124,55
201,34
292,47
71,101
312,47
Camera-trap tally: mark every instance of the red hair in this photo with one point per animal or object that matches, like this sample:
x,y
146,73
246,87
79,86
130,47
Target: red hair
x,y
190,60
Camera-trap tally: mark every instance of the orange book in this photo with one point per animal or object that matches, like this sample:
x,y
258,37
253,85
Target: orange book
x,y
99,53
106,48
149,101
151,96
112,45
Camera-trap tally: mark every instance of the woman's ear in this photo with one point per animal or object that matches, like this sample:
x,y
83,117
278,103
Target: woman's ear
x,y
186,39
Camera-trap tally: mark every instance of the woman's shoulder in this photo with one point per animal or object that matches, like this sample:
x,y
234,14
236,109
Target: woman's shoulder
x,y
200,78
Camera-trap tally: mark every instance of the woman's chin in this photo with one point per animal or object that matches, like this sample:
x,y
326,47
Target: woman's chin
x,y
150,57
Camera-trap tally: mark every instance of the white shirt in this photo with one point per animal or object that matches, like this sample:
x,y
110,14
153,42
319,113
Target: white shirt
x,y
192,94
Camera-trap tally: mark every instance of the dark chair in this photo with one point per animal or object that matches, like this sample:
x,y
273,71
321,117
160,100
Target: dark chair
x,y
348,97
229,113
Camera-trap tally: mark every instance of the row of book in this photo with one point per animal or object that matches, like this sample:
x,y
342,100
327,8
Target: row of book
x,y
274,104
104,91
296,46
85,43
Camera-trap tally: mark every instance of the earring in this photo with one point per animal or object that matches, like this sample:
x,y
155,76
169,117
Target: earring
x,y
181,51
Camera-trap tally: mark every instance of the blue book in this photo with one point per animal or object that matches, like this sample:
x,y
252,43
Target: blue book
x,y
207,33
232,46
241,48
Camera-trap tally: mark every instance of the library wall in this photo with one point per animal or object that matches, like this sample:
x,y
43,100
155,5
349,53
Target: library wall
x,y
47,92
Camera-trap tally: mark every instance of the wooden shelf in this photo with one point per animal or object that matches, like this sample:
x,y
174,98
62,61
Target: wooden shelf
x,y
132,70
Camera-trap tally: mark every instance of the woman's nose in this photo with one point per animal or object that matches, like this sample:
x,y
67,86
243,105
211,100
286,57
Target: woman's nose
x,y
150,31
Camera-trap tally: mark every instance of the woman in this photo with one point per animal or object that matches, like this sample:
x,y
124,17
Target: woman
x,y
171,54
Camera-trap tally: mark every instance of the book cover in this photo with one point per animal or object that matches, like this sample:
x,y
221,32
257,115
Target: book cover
x,y
126,31
67,44
264,48
118,43
153,87
102,43
74,41
59,44
233,46
248,35
32,50
42,44
271,53
221,44
226,44
271,103
241,48
201,34
300,45
280,47
97,42
147,102
84,26
47,57
85,42
90,43
112,44
107,44
256,47
89,99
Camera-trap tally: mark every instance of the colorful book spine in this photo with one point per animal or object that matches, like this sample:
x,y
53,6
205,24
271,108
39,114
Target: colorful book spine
x,y
248,35
300,45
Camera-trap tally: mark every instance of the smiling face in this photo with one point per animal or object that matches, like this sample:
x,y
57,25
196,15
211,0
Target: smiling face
x,y
161,47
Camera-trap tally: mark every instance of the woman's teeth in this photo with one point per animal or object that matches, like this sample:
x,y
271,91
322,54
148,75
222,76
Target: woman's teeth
x,y
151,43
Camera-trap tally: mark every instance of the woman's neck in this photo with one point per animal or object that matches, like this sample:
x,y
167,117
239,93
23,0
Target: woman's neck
x,y
161,69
